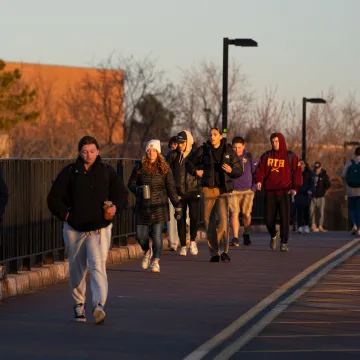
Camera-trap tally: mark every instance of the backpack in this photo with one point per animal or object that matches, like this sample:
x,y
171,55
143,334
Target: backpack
x,y
353,175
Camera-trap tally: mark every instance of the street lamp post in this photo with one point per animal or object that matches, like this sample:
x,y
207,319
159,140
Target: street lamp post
x,y
304,101
226,43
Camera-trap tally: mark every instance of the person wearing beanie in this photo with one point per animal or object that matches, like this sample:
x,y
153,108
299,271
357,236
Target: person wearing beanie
x,y
279,173
152,183
188,189
216,163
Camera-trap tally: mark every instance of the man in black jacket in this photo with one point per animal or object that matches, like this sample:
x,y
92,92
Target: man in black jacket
x,y
85,196
188,189
217,164
322,185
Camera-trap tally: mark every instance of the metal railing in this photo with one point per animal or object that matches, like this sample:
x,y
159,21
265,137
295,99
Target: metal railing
x,y
29,235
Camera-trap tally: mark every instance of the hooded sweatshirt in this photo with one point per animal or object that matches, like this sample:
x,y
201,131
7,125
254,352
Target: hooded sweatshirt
x,y
275,171
246,180
185,183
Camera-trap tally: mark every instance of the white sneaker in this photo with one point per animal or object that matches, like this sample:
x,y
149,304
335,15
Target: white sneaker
x,y
354,230
155,267
183,251
99,314
306,229
193,248
301,229
146,259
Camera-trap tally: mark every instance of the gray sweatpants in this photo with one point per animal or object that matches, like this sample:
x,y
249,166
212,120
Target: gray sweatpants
x,y
317,204
88,251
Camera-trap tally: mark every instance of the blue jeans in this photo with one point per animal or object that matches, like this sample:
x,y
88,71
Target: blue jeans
x,y
354,210
142,235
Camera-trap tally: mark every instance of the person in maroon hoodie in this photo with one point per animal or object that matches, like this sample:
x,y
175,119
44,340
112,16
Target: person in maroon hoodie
x,y
279,172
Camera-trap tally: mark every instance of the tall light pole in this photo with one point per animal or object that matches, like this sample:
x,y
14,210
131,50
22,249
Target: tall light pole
x,y
304,101
226,43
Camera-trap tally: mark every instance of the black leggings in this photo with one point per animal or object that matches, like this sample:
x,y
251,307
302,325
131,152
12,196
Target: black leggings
x,y
194,206
273,204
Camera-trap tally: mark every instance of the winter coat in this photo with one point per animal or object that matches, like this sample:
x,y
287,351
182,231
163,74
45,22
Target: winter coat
x,y
203,158
82,193
156,209
186,184
322,185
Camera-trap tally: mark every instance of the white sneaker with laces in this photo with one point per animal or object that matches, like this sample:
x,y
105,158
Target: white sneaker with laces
x,y
301,229
183,251
193,248
147,259
155,267
306,229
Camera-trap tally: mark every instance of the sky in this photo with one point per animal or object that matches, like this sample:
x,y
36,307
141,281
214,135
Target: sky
x,y
305,46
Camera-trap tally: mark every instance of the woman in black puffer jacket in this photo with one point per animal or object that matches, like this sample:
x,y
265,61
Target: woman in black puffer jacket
x,y
152,213
303,198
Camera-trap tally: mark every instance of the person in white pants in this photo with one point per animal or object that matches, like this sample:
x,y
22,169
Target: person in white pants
x,y
85,196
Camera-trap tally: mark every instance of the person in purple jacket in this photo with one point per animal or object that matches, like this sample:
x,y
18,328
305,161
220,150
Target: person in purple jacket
x,y
241,199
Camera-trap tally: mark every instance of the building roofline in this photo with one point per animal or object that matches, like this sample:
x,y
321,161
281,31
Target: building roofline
x,y
58,65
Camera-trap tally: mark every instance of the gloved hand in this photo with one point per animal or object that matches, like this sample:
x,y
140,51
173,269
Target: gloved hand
x,y
178,213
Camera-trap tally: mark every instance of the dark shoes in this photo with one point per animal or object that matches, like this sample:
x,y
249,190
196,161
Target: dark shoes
x,y
225,257
246,238
215,258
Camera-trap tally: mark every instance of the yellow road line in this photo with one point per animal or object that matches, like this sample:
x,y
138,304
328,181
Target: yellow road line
x,y
234,347
205,348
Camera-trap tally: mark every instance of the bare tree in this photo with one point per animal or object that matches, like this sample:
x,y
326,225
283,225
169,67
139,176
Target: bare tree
x,y
201,98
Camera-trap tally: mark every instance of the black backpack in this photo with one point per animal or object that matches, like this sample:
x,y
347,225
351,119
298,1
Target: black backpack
x,y
353,175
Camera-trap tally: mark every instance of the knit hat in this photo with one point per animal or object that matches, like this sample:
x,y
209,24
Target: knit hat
x,y
155,144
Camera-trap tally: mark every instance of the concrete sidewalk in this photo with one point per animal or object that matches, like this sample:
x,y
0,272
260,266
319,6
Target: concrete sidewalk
x,y
157,316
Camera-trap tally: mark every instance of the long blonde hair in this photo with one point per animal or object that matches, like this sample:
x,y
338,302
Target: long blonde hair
x,y
150,168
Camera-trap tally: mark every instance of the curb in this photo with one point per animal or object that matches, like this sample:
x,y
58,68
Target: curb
x,y
27,281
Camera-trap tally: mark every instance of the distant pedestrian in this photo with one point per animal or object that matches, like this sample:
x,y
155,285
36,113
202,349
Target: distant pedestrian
x,y
279,172
321,186
303,198
351,176
242,197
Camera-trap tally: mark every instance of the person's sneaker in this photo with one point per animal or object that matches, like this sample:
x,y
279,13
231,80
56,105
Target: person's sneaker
x,y
234,242
247,240
155,267
274,240
306,229
354,230
173,247
146,259
193,248
99,314
79,313
321,229
314,228
225,257
215,258
284,248
183,251
301,229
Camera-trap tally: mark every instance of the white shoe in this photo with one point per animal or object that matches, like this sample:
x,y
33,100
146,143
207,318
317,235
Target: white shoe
x,y
147,259
99,314
155,267
300,229
306,229
183,251
193,248
354,230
